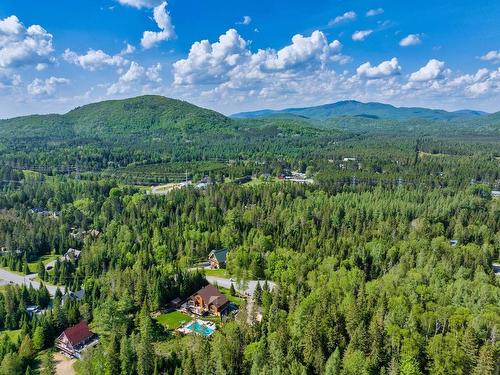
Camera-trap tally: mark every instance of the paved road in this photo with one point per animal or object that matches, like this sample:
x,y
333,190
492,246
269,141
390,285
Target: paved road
x,y
246,287
14,278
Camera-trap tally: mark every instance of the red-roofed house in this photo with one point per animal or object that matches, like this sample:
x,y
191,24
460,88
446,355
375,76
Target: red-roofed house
x,y
76,338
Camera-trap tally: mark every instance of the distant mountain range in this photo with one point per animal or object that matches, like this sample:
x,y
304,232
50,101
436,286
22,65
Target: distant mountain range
x,y
368,110
161,119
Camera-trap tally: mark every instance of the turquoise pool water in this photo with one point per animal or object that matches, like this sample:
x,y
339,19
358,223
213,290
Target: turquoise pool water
x,y
200,329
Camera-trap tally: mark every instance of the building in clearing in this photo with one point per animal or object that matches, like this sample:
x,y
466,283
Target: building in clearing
x,y
71,254
208,300
76,338
217,258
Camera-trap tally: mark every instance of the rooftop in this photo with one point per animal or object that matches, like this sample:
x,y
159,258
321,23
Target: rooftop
x,y
78,333
212,296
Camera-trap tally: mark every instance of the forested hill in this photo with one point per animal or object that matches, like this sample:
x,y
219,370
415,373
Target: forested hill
x,y
148,129
144,114
369,110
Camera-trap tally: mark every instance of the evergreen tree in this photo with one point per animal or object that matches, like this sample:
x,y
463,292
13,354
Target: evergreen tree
x,y
48,365
334,363
40,336
41,270
11,364
257,294
113,356
145,353
26,350
127,359
26,268
487,363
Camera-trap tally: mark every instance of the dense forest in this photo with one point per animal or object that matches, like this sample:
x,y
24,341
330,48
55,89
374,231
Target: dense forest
x,y
382,265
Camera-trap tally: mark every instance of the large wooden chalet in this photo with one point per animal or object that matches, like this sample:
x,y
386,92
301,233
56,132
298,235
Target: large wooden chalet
x,y
217,258
209,300
76,338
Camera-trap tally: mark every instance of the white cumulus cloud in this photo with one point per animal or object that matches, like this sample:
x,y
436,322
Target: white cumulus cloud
x,y
361,35
374,12
127,50
229,61
434,69
137,78
247,20
8,79
164,22
93,59
45,87
410,40
21,46
383,70
493,56
347,16
140,3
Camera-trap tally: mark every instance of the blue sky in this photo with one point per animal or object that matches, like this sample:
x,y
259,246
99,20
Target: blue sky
x,y
241,55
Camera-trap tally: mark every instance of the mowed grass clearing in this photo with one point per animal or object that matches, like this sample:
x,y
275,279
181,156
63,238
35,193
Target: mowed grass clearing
x,y
173,319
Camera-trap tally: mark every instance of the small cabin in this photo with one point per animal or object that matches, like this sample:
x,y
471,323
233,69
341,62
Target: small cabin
x,y
217,258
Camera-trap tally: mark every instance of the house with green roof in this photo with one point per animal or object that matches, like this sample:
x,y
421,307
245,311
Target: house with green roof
x,y
217,258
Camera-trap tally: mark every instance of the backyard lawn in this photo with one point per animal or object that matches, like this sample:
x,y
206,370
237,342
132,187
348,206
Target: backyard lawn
x,y
173,320
234,299
45,259
217,272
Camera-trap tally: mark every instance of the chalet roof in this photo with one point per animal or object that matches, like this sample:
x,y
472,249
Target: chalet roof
x,y
220,255
212,296
72,252
78,295
78,333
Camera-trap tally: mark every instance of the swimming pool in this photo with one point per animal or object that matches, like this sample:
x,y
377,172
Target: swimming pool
x,y
201,327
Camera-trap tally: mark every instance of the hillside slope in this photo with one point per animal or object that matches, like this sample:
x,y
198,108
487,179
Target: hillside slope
x,y
369,110
149,129
135,116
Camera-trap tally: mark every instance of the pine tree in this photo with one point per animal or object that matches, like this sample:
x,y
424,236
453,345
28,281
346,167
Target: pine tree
x,y
257,294
26,268
126,357
145,353
232,291
27,349
409,366
486,362
48,365
113,356
333,364
40,336
470,348
41,270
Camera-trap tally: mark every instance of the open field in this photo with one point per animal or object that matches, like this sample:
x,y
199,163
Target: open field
x,y
173,320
